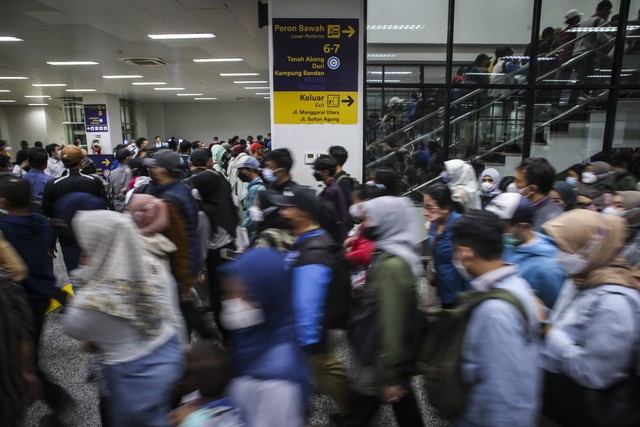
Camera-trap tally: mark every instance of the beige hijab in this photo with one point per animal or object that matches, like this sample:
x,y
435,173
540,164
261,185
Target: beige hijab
x,y
599,239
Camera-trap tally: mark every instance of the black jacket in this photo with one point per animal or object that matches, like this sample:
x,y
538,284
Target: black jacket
x,y
74,182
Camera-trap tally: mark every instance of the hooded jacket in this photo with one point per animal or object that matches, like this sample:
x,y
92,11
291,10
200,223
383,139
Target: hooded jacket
x,y
537,265
33,236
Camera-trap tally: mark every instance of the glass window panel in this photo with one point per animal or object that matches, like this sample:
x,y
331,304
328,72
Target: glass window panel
x,y
627,128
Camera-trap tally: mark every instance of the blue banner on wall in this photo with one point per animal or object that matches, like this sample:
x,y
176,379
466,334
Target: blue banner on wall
x,y
95,118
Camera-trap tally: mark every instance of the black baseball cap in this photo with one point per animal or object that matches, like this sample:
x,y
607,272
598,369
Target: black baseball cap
x,y
122,154
199,157
166,159
300,197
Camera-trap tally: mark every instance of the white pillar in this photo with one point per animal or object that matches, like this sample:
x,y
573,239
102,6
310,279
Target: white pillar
x,y
316,60
113,135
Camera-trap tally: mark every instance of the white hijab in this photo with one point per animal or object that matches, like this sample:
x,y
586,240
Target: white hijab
x,y
463,183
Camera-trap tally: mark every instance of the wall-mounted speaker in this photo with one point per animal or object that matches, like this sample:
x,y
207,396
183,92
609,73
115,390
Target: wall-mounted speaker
x,y
263,14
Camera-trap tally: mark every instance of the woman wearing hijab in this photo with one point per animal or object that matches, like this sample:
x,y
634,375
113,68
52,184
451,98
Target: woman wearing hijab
x,y
218,151
598,180
273,230
564,194
119,309
489,182
461,179
386,316
271,380
151,216
590,350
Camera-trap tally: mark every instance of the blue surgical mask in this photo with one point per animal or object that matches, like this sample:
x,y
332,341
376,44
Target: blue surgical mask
x,y
444,176
268,175
509,240
571,180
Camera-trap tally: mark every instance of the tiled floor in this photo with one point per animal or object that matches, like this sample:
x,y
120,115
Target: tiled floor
x,y
64,361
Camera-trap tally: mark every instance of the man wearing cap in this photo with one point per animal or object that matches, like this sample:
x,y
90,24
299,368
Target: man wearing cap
x,y
313,266
118,180
257,152
165,168
74,182
248,172
533,253
214,191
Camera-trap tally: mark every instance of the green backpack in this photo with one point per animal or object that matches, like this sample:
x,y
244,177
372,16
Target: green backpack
x,y
440,361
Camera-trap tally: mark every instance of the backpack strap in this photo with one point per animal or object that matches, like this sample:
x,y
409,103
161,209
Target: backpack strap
x,y
341,177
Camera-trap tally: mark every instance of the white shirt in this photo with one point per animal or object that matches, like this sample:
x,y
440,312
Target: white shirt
x,y
54,168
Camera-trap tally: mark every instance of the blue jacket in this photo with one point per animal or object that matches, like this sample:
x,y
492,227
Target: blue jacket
x,y
252,192
33,236
449,281
179,194
537,265
312,263
500,357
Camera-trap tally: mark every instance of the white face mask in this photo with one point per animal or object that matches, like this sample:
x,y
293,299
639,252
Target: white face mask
x,y
513,188
612,211
462,272
571,263
239,314
256,214
487,187
589,177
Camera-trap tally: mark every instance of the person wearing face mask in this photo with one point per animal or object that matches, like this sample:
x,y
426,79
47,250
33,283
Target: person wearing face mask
x,y
218,152
461,180
564,195
324,169
489,180
389,305
270,385
321,298
358,248
439,210
277,173
499,350
532,252
590,354
54,164
248,172
597,182
534,179
273,230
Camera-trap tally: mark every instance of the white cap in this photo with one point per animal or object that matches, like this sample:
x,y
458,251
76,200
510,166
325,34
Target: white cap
x,y
572,14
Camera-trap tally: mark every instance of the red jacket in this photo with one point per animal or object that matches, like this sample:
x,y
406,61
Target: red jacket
x,y
360,252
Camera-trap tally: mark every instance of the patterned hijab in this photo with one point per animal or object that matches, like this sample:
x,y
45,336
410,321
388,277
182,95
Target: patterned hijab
x,y
118,280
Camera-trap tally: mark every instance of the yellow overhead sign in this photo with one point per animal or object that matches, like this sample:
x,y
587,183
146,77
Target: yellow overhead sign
x,y
311,107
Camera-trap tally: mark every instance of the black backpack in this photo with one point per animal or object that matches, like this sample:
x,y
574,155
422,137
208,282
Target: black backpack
x,y
355,184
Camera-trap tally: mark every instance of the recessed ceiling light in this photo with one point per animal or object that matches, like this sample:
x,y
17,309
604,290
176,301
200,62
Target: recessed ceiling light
x,y
7,100
124,76
72,62
380,81
238,74
80,90
266,97
263,93
148,83
204,99
37,96
256,87
189,94
218,60
168,88
381,55
388,73
395,27
48,85
4,91
250,82
10,39
37,105
182,36
14,78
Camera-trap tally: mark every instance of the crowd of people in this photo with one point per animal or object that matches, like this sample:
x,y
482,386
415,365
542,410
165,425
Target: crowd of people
x,y
538,283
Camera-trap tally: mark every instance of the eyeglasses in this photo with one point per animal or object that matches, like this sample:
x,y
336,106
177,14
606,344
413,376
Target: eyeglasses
x,y
430,208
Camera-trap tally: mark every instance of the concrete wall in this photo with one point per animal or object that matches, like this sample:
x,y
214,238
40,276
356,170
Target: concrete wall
x,y
204,120
22,122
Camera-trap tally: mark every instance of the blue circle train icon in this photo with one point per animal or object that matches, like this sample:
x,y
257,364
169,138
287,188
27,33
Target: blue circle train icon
x,y
333,63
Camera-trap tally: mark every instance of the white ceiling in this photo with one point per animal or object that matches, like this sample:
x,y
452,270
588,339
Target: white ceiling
x,y
106,30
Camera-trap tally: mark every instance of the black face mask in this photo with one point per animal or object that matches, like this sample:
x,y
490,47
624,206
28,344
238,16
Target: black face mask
x,y
370,233
243,177
317,176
